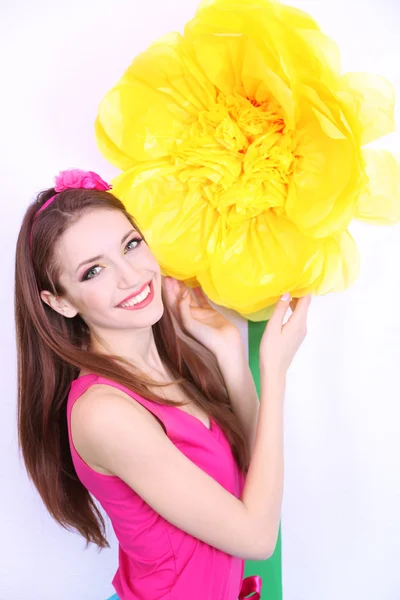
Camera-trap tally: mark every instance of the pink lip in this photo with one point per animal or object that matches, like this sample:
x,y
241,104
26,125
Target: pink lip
x,y
134,295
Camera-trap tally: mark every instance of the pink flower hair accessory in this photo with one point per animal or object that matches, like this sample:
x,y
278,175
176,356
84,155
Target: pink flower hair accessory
x,y
76,178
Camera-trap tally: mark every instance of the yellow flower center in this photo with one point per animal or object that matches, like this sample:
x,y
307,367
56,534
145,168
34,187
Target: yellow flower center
x,y
239,155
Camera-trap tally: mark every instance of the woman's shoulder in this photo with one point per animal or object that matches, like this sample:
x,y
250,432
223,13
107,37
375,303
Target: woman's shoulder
x,y
89,387
99,398
101,411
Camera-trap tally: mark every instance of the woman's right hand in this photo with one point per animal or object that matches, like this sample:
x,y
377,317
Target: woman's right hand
x,y
280,342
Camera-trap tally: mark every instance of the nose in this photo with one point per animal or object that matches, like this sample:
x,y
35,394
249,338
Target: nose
x,y
129,277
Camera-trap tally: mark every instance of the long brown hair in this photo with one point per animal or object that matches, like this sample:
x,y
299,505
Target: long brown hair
x,y
53,349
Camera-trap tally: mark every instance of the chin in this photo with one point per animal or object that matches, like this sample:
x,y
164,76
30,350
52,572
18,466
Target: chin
x,y
146,317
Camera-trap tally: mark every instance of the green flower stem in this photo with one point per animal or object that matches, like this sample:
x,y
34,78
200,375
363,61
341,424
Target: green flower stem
x,y
269,570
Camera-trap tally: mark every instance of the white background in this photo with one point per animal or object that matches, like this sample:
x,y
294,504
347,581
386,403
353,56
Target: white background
x,y
341,520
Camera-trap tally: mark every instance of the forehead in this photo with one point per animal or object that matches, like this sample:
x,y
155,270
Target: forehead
x,y
94,233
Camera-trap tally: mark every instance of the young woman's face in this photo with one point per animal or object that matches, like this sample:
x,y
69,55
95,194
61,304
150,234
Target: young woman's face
x,y
110,276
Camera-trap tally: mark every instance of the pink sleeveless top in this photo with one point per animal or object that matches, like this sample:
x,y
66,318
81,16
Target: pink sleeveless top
x,y
158,561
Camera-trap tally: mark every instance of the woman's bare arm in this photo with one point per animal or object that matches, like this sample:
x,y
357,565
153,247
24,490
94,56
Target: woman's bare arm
x,y
241,390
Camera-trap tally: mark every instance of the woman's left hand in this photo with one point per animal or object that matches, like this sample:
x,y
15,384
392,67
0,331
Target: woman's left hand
x,y
196,316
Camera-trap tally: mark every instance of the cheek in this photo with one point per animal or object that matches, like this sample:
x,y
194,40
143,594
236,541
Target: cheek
x,y
144,260
156,267
153,264
95,297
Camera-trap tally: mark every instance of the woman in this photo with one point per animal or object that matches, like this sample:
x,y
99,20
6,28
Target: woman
x,y
136,392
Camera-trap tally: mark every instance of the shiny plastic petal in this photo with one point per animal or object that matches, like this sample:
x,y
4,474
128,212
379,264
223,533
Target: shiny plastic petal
x,y
380,202
174,219
147,114
325,182
339,265
371,100
241,146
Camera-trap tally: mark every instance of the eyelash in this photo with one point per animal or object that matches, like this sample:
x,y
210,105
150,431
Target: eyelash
x,y
85,275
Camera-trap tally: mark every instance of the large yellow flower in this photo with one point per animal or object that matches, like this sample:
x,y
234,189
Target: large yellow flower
x,y
241,145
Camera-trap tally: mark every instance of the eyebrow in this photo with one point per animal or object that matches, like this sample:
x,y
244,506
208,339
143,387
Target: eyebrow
x,y
89,260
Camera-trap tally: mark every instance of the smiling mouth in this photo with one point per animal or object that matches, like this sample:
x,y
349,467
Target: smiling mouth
x,y
144,297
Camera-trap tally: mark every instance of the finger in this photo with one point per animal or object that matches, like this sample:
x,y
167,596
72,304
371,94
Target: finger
x,y
185,291
196,301
172,293
201,298
184,309
300,313
280,311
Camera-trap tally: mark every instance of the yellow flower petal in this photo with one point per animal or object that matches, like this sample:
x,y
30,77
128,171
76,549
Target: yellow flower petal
x,y
148,112
326,180
380,202
371,99
241,143
174,220
258,260
109,150
339,264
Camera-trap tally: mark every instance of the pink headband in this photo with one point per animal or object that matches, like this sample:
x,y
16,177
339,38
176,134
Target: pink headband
x,y
73,178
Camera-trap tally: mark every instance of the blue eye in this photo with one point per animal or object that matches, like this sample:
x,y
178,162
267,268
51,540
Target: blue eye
x,y
137,240
91,273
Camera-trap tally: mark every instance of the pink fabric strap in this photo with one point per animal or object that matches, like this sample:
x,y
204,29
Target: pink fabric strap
x,y
251,585
45,205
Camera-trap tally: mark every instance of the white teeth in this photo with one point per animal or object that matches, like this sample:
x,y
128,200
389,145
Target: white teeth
x,y
137,299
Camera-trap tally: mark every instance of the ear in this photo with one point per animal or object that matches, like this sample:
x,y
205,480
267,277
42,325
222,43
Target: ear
x,y
59,304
